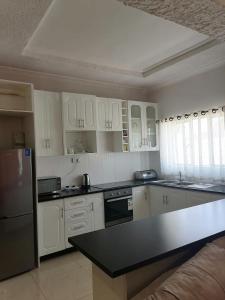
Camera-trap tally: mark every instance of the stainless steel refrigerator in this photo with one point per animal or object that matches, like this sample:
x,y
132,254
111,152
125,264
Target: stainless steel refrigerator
x,y
17,250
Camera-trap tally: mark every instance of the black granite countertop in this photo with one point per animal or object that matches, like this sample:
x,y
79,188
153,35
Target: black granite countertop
x,y
220,189
67,194
129,246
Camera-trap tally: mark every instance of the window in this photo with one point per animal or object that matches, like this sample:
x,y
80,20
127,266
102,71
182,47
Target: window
x,y
195,146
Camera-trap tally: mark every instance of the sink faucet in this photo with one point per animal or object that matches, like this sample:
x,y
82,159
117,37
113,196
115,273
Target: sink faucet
x,y
180,176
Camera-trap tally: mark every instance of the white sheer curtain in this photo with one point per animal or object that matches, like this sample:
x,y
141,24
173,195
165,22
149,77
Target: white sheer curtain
x,y
195,146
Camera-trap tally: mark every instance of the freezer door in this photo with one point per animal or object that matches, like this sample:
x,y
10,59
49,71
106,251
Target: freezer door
x,y
16,246
16,194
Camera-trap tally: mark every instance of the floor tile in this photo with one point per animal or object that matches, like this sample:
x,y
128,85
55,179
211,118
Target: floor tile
x,y
67,277
88,297
21,287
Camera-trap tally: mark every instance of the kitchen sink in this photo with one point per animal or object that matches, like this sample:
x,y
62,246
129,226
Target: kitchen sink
x,y
177,183
174,182
165,181
182,183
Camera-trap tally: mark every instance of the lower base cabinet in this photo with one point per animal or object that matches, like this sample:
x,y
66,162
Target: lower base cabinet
x,y
195,198
163,199
51,227
60,219
141,204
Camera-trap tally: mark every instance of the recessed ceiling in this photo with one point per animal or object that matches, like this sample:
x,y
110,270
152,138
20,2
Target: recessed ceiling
x,y
107,34
101,40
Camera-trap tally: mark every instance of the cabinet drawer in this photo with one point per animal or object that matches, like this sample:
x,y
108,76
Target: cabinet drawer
x,y
75,202
75,215
76,228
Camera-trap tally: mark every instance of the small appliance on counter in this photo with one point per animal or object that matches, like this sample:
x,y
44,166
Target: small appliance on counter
x,y
49,185
86,182
146,175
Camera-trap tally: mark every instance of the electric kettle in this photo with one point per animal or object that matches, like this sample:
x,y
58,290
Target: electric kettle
x,y
86,181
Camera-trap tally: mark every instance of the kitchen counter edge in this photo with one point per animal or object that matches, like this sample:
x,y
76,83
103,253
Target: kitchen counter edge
x,y
220,189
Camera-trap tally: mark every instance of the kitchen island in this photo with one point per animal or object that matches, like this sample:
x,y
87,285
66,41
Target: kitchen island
x,y
127,257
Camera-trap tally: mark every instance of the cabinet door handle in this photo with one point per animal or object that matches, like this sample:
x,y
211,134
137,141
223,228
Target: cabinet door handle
x,y
75,203
83,123
92,206
78,227
167,201
62,213
79,123
47,144
77,215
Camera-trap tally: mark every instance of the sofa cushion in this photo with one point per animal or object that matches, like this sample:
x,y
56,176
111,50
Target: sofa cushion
x,y
220,242
150,289
202,277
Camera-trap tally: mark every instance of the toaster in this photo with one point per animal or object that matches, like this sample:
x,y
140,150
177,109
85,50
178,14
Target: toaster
x,y
146,175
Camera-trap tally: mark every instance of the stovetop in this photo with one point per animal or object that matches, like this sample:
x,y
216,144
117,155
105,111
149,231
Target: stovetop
x,y
69,191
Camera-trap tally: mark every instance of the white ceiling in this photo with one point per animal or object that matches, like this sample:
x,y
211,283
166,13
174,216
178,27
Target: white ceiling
x,y
99,40
107,33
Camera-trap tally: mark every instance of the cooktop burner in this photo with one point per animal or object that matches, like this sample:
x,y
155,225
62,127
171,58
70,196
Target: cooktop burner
x,y
74,188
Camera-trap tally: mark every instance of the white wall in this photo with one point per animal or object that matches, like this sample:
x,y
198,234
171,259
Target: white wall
x,y
102,168
203,91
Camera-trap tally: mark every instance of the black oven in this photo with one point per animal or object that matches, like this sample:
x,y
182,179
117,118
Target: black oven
x,y
118,206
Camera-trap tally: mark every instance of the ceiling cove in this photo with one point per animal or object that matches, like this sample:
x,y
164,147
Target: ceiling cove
x,y
108,36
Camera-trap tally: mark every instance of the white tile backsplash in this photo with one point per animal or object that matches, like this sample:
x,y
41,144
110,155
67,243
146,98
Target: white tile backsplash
x,y
102,168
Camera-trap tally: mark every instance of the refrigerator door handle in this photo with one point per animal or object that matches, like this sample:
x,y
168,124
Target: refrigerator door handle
x,y
16,216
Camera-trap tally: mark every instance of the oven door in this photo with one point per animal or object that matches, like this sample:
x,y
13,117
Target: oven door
x,y
118,210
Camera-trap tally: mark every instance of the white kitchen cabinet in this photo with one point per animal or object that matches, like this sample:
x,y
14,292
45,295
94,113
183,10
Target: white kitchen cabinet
x,y
157,200
109,114
175,199
79,112
51,227
83,214
48,123
141,205
163,199
97,206
143,130
81,226
151,134
196,198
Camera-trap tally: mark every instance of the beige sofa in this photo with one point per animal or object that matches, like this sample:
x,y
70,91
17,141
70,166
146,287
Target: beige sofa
x,y
201,277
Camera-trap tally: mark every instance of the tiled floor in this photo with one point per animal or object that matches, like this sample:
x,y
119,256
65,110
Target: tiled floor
x,y
67,277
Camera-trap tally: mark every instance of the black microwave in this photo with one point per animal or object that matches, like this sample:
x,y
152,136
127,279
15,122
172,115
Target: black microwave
x,y
49,185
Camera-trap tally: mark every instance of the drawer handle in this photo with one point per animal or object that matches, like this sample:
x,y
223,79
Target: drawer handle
x,y
75,203
77,215
78,227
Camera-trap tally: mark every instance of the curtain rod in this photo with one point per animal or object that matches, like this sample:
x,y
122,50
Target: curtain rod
x,y
195,114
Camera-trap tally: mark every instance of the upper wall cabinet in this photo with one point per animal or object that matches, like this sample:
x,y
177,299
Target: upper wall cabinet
x,y
48,123
143,130
109,114
79,112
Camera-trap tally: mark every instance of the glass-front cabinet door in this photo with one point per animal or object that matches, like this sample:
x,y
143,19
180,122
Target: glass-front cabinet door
x,y
135,125
143,130
151,128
